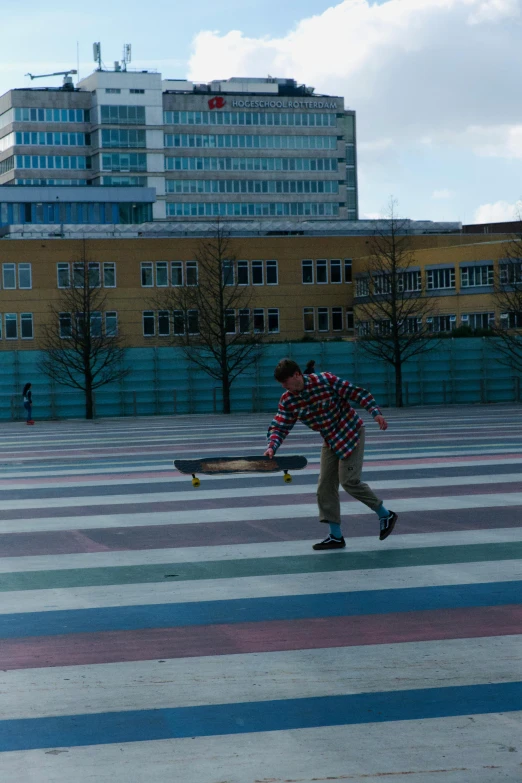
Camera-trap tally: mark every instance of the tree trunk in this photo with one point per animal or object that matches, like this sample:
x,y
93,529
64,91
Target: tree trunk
x,y
398,385
226,394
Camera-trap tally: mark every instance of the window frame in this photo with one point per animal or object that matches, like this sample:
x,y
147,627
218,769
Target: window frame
x,y
25,267
308,265
272,312
147,266
62,266
308,311
271,264
9,268
107,266
321,264
148,316
258,265
27,318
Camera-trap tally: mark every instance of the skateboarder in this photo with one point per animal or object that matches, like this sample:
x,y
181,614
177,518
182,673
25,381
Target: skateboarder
x,y
28,402
323,402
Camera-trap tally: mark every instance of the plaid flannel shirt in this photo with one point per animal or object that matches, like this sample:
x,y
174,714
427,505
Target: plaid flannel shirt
x,y
324,406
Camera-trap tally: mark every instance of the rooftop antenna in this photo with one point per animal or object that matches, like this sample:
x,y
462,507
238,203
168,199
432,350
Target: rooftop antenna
x,y
127,55
96,54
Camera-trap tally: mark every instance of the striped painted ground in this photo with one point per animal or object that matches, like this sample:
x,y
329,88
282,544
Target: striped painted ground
x,y
154,632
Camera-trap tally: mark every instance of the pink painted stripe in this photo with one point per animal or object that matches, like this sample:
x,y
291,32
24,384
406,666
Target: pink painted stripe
x,y
231,639
446,460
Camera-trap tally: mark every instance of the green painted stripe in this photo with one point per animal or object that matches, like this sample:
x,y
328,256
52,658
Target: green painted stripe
x,y
230,569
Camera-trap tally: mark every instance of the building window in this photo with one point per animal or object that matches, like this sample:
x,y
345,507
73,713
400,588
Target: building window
x,y
147,280
478,320
109,274
362,286
123,115
271,273
163,323
257,273
176,269
364,328
243,278
441,323
193,321
322,271
322,319
149,328
335,270
259,320
511,272
113,90
111,323
273,319
24,276
94,275
230,321
26,326
78,275
65,325
192,273
308,271
11,326
473,276
308,319
511,320
347,270
162,274
382,283
337,319
96,324
8,276
382,327
349,320
64,276
409,282
244,321
440,279
178,322
228,272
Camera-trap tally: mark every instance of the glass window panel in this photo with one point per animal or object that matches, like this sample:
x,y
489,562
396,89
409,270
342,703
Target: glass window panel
x,y
228,273
308,319
322,319
193,321
109,274
244,321
24,276
78,274
162,274
64,280
163,323
271,273
176,269
259,320
178,322
273,319
148,323
8,276
94,275
230,321
146,274
111,323
335,270
26,326
242,273
192,272
337,319
11,326
65,322
257,273
308,271
322,270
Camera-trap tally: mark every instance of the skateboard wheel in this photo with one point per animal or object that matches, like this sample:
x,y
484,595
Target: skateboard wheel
x,y
287,478
195,481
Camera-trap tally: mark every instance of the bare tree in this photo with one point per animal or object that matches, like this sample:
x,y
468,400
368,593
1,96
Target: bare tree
x,y
508,302
81,344
210,313
391,316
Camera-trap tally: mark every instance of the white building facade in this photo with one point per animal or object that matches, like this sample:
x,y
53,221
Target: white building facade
x,y
252,149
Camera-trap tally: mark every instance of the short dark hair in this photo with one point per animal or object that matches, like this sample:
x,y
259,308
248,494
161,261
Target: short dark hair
x,y
285,369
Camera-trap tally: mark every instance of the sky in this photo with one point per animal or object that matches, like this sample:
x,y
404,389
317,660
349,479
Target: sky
x,y
435,83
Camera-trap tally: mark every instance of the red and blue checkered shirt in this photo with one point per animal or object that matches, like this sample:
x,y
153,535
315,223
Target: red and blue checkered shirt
x,y
323,405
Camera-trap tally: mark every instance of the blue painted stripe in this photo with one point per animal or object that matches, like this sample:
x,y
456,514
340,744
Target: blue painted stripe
x,y
291,607
249,717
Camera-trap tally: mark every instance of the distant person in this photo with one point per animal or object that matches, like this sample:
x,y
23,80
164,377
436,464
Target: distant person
x,y
310,367
28,402
322,402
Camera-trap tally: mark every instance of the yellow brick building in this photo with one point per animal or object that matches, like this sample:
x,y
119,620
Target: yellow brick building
x,y
301,285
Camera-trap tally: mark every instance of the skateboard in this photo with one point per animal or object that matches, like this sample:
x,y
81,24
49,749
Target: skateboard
x,y
214,465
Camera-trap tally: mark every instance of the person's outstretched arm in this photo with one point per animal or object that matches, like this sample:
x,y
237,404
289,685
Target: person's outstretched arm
x,y
281,425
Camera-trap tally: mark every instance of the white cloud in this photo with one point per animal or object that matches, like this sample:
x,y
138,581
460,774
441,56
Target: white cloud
x,y
444,193
499,212
416,71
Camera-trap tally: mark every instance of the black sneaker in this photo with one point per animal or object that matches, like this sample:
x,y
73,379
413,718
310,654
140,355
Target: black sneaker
x,y
330,543
387,525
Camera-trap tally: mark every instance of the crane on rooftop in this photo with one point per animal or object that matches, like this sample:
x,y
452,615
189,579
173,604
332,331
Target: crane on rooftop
x,y
67,80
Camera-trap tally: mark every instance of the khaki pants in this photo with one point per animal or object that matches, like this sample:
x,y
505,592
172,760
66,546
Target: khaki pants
x,y
347,473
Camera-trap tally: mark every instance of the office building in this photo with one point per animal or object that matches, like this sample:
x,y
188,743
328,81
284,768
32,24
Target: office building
x,y
252,149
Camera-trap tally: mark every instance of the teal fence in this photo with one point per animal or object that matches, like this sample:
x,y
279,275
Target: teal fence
x,y
162,382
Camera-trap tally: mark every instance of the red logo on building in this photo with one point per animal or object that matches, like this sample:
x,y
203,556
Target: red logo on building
x,y
216,103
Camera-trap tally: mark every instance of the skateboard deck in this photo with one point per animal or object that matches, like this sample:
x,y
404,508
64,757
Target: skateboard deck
x,y
216,465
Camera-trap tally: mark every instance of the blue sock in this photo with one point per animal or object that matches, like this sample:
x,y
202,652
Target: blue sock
x,y
335,530
382,511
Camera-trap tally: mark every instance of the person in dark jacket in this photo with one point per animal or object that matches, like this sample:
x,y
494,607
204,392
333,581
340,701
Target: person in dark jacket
x,y
28,402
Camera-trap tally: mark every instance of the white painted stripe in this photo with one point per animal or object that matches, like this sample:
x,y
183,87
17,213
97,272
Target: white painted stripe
x,y
203,553
228,679
295,511
172,592
94,477
194,495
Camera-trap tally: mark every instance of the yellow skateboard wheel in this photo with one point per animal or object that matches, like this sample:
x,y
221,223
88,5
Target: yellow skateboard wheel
x,y
195,481
287,478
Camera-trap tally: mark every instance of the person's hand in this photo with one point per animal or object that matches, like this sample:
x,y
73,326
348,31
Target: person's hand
x,y
381,421
269,453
